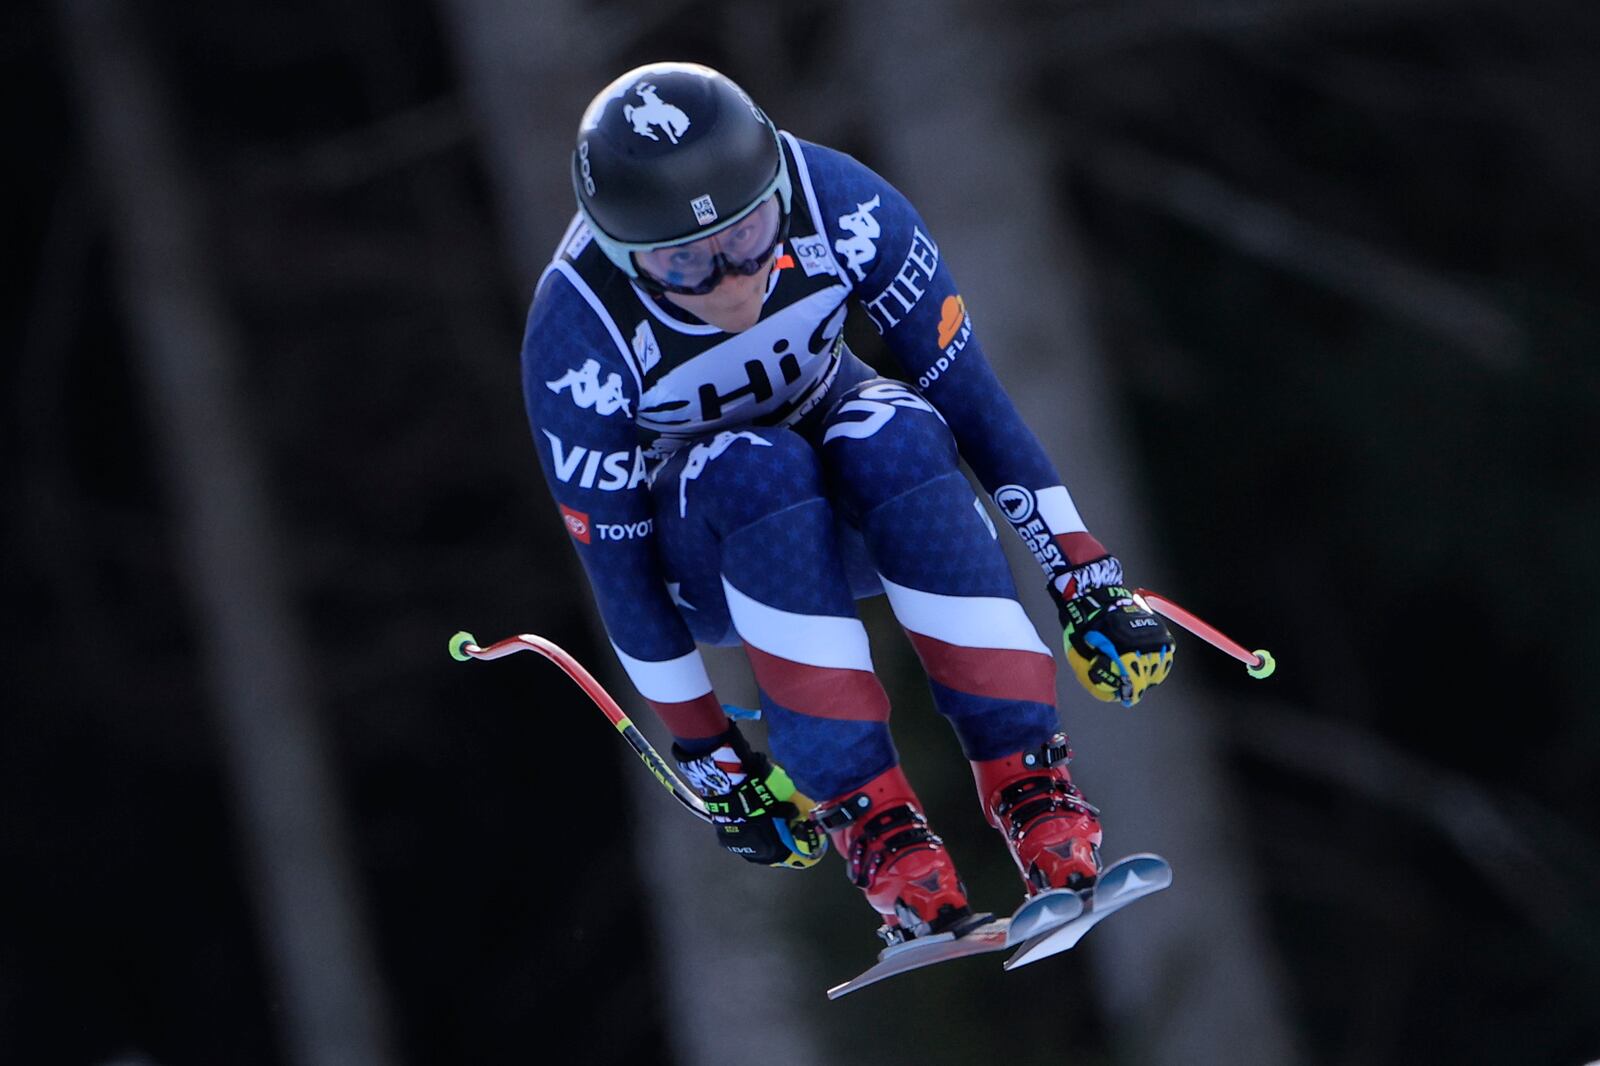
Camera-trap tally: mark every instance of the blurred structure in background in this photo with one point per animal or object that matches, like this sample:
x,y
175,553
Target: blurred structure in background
x,y
1301,294
250,647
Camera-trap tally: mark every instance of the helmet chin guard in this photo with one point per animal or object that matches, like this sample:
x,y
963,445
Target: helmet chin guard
x,y
669,153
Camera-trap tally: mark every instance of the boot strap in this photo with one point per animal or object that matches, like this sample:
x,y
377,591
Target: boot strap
x,y
887,835
1023,801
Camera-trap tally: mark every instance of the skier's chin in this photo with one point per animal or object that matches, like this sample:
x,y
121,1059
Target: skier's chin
x,y
737,315
734,305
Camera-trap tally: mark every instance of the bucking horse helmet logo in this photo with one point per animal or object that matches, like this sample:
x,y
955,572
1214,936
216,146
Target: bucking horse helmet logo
x,y
655,112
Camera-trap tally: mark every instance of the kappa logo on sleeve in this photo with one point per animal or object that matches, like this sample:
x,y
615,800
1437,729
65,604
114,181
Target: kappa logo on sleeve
x,y
577,523
861,246
588,391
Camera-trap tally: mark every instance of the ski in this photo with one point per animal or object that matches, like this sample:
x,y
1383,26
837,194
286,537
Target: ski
x,y
1044,925
1043,912
980,934
1121,883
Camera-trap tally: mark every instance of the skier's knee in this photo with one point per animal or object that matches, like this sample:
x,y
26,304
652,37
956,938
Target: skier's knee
x,y
883,439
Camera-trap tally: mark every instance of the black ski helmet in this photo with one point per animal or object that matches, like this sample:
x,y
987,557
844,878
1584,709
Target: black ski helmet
x,y
672,152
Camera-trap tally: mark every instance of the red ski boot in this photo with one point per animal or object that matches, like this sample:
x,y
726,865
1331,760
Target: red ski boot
x,y
1053,833
895,858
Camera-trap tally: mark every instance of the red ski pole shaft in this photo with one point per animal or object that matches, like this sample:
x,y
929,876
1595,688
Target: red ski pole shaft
x,y
1258,663
464,646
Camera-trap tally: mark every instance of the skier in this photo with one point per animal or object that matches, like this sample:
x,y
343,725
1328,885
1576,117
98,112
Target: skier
x,y
730,473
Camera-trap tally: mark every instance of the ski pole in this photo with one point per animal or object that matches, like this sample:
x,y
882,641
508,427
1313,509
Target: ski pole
x,y
464,646
1258,663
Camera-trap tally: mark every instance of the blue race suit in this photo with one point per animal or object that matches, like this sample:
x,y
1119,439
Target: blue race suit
x,y
746,488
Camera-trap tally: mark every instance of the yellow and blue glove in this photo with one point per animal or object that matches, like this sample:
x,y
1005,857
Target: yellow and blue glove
x,y
1116,646
756,810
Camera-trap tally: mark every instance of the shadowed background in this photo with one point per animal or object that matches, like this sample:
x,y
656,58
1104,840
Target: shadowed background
x,y
1301,295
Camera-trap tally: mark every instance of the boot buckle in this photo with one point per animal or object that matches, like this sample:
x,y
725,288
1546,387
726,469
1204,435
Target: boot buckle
x,y
1055,750
843,813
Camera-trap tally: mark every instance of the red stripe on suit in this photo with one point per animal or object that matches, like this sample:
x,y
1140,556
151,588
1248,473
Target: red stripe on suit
x,y
997,673
820,691
696,719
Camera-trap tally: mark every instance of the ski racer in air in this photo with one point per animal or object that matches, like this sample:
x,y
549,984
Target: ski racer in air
x,y
731,474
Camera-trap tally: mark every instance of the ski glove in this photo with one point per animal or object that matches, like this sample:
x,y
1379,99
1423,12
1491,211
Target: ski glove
x,y
757,812
1117,647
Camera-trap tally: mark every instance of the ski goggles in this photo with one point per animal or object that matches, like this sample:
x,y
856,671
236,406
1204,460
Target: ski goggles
x,y
694,268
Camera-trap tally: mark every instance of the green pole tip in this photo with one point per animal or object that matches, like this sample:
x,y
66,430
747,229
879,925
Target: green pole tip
x,y
1267,665
458,646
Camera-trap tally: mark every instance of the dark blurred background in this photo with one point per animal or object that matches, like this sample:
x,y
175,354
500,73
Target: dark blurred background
x,y
1302,293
